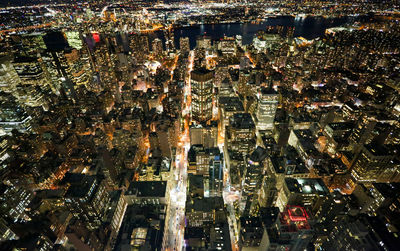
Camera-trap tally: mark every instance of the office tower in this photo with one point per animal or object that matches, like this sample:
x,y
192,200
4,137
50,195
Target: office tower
x,y
205,135
14,201
372,162
184,45
244,79
303,142
225,85
78,67
207,224
216,174
13,116
5,232
153,193
34,80
362,132
140,47
310,193
87,198
267,104
157,47
31,43
203,42
269,192
104,63
240,133
336,135
201,159
360,233
163,139
253,178
250,233
170,40
202,81
239,40
9,78
207,162
236,164
74,39
290,229
335,205
228,106
227,45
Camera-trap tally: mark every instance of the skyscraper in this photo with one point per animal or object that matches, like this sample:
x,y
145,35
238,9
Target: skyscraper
x,y
184,44
267,104
371,163
157,47
202,94
253,177
240,133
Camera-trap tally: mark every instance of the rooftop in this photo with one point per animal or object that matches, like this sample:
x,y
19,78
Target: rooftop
x,y
388,190
307,186
231,104
204,204
242,121
147,188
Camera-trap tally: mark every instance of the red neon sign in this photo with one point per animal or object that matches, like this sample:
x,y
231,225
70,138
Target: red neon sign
x,y
96,37
297,213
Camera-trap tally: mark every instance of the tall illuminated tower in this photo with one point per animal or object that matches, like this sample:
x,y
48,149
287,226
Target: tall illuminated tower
x,y
267,104
202,90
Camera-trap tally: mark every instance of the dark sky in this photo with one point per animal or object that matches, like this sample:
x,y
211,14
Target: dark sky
x,y
4,3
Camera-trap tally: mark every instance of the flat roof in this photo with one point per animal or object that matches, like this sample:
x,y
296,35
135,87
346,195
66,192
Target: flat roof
x,y
242,121
147,188
307,186
231,103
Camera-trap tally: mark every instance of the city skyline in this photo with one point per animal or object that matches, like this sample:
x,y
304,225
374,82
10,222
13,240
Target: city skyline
x,y
216,125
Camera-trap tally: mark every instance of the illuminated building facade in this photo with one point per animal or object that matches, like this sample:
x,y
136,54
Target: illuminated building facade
x,y
309,192
240,133
205,135
253,179
202,81
372,162
184,44
267,104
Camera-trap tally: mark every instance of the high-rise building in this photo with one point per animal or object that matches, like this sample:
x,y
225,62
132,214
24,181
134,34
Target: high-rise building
x,y
372,161
9,78
267,104
144,193
14,201
360,233
205,135
227,45
202,81
290,229
310,193
157,47
227,107
253,178
269,192
216,175
203,42
251,233
87,198
240,133
207,226
13,116
209,163
362,132
184,44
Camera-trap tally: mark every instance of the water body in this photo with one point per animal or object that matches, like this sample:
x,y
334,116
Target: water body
x,y
308,27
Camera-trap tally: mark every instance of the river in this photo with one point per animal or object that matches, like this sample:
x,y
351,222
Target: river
x,y
308,27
